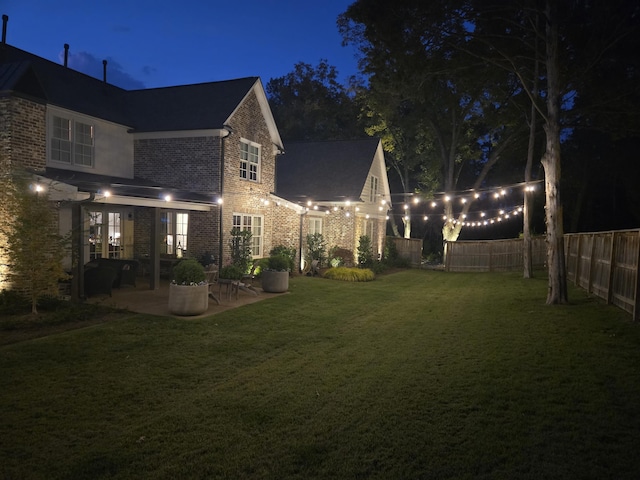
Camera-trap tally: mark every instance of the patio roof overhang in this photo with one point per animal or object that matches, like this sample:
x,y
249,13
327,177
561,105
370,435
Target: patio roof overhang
x,y
68,185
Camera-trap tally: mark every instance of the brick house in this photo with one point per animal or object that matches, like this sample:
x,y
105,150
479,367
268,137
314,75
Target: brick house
x,y
343,187
155,174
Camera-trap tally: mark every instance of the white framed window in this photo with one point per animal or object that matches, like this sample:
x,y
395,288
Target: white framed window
x,y
315,225
174,228
254,224
368,229
249,161
373,188
72,142
61,140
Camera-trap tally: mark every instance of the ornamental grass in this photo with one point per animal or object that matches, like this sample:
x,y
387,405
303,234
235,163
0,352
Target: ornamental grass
x,y
349,274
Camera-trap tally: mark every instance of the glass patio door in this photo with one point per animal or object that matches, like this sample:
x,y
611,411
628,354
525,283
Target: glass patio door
x,y
105,234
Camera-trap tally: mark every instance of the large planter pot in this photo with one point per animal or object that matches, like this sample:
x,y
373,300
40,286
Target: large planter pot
x,y
275,282
188,299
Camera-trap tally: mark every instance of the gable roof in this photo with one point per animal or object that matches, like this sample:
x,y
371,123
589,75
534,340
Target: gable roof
x,y
329,171
186,107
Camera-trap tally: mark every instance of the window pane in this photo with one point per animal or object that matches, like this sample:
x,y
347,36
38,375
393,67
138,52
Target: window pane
x,y
61,140
95,235
83,144
167,231
249,161
114,234
182,227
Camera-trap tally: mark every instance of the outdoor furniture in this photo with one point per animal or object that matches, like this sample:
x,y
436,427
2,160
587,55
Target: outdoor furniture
x,y
211,272
231,286
125,268
246,284
99,280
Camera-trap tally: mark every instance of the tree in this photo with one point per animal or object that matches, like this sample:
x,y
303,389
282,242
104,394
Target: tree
x,y
311,104
33,246
583,42
442,119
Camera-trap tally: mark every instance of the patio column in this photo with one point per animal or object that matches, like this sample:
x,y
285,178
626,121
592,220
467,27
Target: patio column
x,y
154,251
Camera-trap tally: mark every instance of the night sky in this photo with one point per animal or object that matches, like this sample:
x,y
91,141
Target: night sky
x,y
157,43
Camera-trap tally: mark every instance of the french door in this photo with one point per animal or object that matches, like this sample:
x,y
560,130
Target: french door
x,y
106,235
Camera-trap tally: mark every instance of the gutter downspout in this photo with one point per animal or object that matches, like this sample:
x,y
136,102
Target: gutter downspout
x,y
229,130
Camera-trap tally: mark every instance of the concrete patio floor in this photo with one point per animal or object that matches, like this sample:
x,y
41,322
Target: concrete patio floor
x,y
141,299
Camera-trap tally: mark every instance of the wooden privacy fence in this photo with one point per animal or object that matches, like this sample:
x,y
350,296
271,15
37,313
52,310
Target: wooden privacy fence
x,y
492,255
606,264
409,248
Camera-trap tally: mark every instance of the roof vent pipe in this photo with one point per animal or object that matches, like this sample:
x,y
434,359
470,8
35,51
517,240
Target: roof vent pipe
x,y
104,71
66,54
5,19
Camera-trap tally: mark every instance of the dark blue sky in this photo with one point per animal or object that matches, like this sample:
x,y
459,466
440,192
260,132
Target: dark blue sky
x,y
157,43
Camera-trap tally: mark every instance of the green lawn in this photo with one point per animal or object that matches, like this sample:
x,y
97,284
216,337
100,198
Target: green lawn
x,y
417,374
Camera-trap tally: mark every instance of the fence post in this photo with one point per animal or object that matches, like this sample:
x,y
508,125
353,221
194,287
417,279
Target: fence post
x,y
592,257
612,257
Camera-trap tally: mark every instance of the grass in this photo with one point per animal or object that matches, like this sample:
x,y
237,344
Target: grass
x,y
415,375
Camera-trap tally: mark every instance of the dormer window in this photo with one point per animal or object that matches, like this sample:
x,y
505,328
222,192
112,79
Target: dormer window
x,y
72,142
249,161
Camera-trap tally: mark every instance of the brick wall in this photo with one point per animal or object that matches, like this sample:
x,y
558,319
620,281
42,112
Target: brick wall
x,y
241,195
191,163
22,145
24,127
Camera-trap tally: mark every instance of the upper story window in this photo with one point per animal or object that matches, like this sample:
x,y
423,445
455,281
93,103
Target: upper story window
x,y
249,161
72,142
373,188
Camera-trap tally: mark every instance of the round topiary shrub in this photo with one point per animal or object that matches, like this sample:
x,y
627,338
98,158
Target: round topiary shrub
x,y
188,272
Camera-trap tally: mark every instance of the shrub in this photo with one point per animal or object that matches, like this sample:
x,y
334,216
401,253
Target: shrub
x,y
189,271
240,244
13,302
288,252
316,248
231,272
349,274
339,257
391,256
279,263
365,252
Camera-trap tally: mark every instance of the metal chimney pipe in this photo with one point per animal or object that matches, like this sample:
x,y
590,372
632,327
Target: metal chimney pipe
x,y
104,71
66,54
5,20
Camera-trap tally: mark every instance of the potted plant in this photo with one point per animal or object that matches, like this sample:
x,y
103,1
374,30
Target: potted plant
x,y
188,292
231,272
275,276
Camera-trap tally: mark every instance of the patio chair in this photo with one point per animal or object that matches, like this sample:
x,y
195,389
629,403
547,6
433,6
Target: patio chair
x,y
246,284
99,280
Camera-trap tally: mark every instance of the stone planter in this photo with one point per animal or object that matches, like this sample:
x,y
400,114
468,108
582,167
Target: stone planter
x,y
188,299
275,282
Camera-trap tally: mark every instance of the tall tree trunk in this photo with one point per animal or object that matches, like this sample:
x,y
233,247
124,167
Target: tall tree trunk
x,y
557,291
